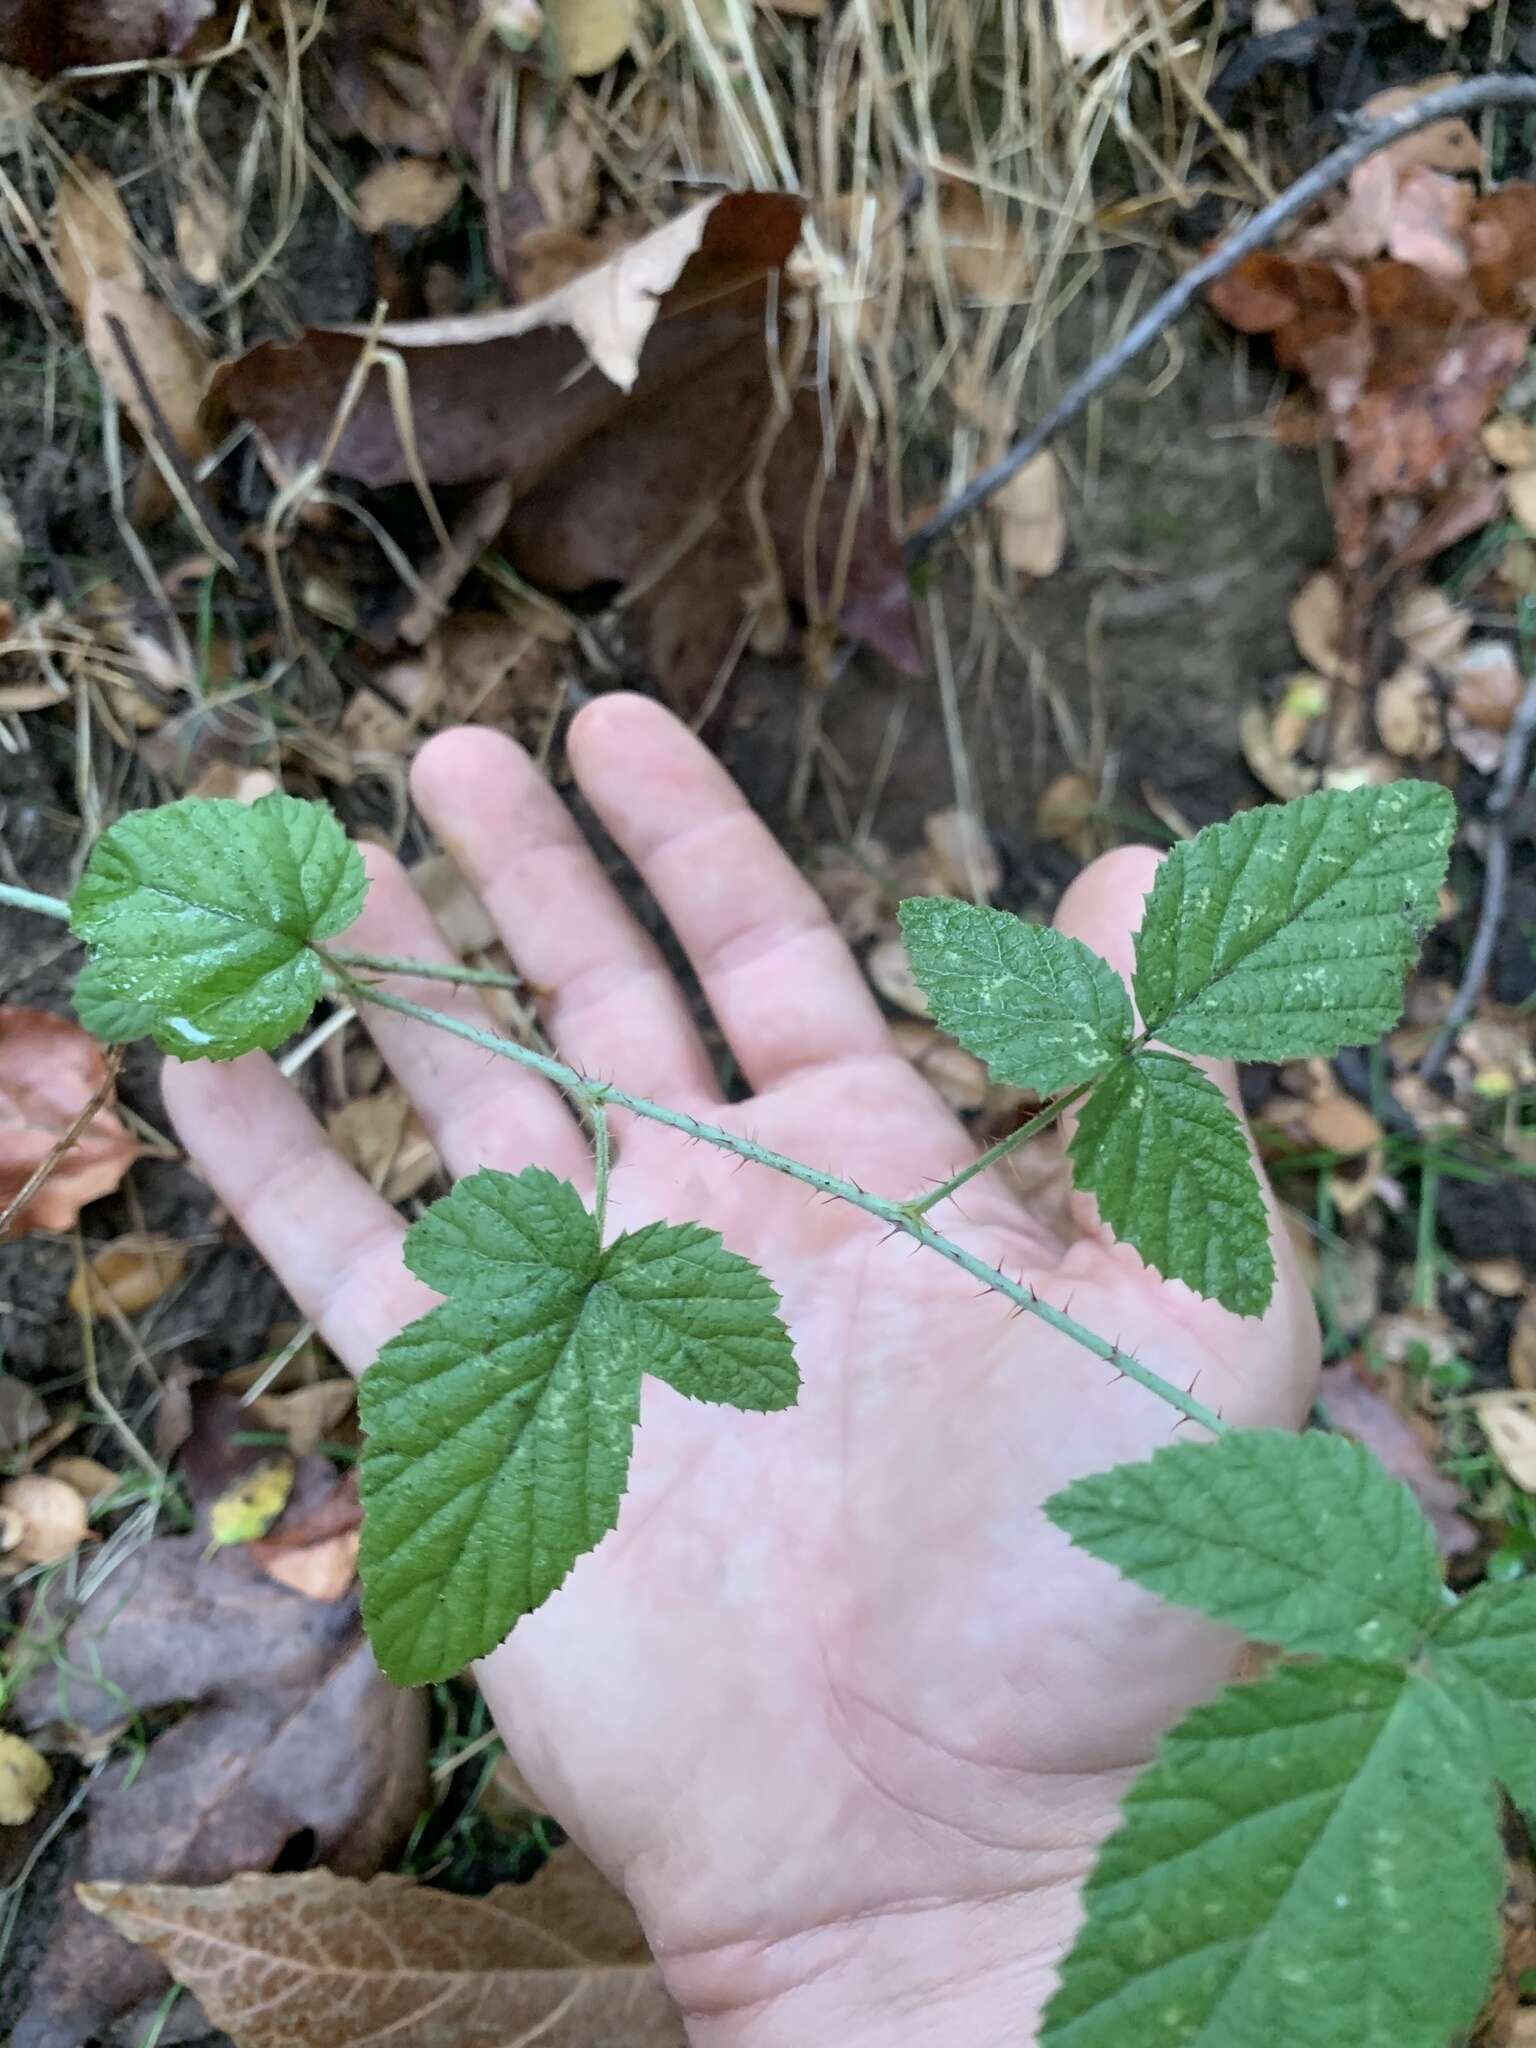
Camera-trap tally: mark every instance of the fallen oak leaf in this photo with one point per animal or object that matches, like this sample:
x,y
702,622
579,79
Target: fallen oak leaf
x,y
50,1071
319,1961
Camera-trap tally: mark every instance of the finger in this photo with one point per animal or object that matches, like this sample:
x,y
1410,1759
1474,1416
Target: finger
x,y
480,1108
612,1007
785,989
330,1239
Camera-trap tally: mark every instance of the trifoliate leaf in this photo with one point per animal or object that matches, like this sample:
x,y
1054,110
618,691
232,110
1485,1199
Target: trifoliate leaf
x,y
499,1426
1041,1009
1302,1541
1278,1870
201,914
1287,931
1484,1653
114,1019
1167,1161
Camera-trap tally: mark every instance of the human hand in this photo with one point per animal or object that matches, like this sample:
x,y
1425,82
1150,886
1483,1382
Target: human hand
x,y
834,1703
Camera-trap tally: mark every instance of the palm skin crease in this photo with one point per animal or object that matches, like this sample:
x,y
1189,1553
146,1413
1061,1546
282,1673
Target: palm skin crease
x,y
833,1684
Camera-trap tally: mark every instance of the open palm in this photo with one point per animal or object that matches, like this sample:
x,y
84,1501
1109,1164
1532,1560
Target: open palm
x,y
833,1702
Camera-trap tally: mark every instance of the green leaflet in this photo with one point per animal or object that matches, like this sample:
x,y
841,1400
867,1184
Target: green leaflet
x,y
1278,1868
114,1019
1484,1653
1288,930
1301,1541
1168,1163
199,918
499,1426
1042,1010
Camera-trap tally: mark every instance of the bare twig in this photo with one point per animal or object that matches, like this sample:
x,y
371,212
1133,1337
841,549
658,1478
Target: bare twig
x,y
46,1167
1507,787
205,522
1501,91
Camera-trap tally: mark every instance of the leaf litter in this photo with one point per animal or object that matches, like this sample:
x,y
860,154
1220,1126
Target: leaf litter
x,y
270,1723
50,1072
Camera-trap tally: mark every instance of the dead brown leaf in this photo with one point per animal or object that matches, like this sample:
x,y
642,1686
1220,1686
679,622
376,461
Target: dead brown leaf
x,y
1509,1422
45,1519
104,282
1090,29
289,1730
92,1480
315,1552
983,250
1408,715
1522,1347
386,1141
1318,626
1409,311
589,35
205,231
888,967
1032,517
410,192
49,36
130,1275
49,1071
1358,1406
651,366
1443,18
306,1416
24,1780
964,859
956,1074
321,1961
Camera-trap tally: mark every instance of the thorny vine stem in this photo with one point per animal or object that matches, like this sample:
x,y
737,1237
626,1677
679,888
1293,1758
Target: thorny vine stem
x,y
1462,98
899,1216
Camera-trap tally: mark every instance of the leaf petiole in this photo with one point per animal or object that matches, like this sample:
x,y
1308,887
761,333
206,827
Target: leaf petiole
x,y
33,899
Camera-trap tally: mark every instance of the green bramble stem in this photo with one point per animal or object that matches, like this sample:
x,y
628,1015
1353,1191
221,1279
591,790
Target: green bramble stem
x,y
898,1215
1042,1121
32,899
602,1163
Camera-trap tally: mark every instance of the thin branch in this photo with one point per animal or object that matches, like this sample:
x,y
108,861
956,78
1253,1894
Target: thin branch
x,y
45,1168
1022,1136
1507,787
31,899
596,1094
426,970
208,524
1462,98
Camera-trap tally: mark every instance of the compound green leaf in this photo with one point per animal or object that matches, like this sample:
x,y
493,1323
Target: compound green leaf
x,y
1278,1872
114,1019
1168,1163
499,1426
1042,1010
1301,1541
201,914
1484,1653
1288,930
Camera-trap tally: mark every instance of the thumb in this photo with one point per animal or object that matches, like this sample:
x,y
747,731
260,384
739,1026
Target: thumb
x,y
1103,908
